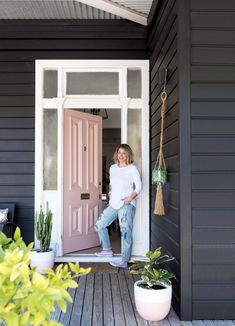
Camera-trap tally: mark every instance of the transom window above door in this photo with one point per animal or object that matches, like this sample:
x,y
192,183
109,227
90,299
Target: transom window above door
x,y
94,83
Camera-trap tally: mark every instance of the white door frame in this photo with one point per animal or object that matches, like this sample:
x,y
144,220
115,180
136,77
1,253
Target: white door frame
x,y
63,101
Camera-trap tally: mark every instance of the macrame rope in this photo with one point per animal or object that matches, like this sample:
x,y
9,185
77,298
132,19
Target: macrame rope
x,y
160,162
160,158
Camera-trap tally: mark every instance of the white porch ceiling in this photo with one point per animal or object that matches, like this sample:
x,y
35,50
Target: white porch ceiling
x,y
71,9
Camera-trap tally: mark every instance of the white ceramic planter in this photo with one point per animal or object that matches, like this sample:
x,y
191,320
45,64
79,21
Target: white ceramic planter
x,y
152,304
42,260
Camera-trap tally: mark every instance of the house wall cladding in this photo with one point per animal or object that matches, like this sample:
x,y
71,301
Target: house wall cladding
x,y
21,43
162,43
213,158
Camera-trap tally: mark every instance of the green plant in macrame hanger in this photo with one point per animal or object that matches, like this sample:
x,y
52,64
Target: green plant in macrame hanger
x,y
44,228
159,173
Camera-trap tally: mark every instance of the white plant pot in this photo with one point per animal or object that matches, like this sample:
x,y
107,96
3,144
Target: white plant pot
x,y
152,304
42,260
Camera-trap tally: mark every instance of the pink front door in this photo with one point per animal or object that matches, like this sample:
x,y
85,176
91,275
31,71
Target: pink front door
x,y
82,179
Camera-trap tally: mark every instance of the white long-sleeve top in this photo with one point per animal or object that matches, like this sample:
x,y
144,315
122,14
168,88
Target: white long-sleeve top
x,y
123,181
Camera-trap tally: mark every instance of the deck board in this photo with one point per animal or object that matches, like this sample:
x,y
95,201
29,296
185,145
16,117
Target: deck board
x,y
65,318
173,318
88,301
117,302
129,279
107,303
78,302
98,301
228,323
107,299
127,305
208,323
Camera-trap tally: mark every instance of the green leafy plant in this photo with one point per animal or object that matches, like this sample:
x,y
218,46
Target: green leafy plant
x,y
26,297
149,270
44,228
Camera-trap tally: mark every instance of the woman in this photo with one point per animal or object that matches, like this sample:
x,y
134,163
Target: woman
x,y
125,185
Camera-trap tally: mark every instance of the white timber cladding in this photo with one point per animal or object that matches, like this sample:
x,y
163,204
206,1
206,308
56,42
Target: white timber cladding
x,y
135,10
63,101
117,9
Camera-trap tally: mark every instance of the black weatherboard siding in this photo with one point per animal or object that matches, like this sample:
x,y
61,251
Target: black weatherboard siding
x,y
162,43
213,158
199,146
21,43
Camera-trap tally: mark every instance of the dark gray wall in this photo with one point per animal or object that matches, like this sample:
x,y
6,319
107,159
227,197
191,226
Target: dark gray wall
x,y
213,158
162,43
21,42
199,146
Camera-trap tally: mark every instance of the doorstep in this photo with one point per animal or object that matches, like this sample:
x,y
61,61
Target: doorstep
x,y
90,258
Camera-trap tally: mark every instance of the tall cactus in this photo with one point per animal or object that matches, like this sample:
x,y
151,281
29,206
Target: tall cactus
x,y
44,228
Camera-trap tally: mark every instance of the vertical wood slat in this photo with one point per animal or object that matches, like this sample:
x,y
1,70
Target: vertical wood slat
x,y
98,301
173,318
117,303
186,323
208,323
65,317
88,301
56,314
198,323
130,284
78,302
127,305
107,301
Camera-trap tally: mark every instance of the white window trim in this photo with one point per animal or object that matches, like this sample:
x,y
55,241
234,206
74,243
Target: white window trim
x,y
55,198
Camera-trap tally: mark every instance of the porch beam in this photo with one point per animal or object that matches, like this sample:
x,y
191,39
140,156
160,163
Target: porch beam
x,y
117,9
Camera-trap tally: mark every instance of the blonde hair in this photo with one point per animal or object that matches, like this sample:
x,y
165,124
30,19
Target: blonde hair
x,y
129,153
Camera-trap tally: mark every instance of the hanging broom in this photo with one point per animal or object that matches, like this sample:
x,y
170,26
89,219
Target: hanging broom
x,y
159,173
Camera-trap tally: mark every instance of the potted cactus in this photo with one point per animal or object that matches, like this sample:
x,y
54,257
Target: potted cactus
x,y
44,256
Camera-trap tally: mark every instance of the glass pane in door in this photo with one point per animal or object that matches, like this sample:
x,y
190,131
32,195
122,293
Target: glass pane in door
x,y
50,149
134,134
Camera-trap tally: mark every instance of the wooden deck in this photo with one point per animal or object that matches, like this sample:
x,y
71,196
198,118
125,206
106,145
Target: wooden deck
x,y
107,299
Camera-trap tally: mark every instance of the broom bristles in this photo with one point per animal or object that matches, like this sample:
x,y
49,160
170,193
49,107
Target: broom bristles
x,y
159,206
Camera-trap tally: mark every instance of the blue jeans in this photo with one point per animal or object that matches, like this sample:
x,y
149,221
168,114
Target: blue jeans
x,y
125,216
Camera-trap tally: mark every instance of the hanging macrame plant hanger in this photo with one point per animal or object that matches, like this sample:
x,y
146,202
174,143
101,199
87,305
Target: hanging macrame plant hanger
x,y
159,173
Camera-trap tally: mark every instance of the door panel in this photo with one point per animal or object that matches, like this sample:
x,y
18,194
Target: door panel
x,y
92,155
82,179
76,151
75,221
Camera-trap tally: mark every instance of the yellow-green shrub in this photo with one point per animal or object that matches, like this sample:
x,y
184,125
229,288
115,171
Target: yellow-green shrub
x,y
26,297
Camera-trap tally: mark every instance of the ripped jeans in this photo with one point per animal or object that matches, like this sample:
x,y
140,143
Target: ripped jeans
x,y
125,216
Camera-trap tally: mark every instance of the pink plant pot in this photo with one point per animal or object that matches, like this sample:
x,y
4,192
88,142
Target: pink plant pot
x,y
152,304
